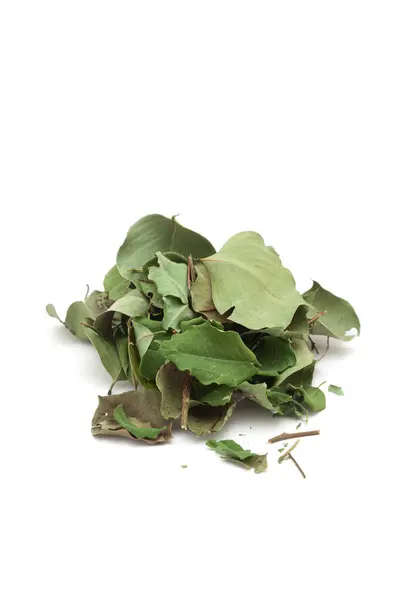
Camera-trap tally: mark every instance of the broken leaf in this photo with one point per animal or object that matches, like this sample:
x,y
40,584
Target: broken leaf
x,y
274,355
336,389
170,278
234,452
139,429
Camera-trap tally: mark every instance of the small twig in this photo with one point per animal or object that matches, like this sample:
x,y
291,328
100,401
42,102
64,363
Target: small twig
x,y
185,401
286,454
297,465
114,382
320,314
290,436
190,272
313,345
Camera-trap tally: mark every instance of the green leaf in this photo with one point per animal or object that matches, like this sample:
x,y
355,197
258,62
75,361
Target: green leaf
x,y
211,355
339,318
107,352
170,381
51,311
175,312
121,344
156,233
171,278
313,397
208,419
200,291
257,392
154,358
275,355
115,285
149,289
234,452
249,277
299,324
195,321
97,302
213,395
77,313
143,405
133,304
304,357
336,389
139,429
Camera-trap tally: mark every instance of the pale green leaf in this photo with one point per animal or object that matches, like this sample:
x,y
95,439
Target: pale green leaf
x,y
51,311
234,452
170,278
133,304
275,355
201,290
257,392
107,352
339,318
97,302
336,389
211,355
116,285
175,312
76,314
155,233
249,277
314,398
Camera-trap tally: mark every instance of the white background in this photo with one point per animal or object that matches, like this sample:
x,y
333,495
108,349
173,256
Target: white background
x,y
280,117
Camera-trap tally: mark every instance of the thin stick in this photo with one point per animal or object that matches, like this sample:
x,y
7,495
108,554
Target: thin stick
x,y
297,465
286,454
185,402
190,271
290,436
321,314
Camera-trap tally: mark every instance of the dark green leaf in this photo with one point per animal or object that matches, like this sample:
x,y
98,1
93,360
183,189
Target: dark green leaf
x,y
275,355
211,355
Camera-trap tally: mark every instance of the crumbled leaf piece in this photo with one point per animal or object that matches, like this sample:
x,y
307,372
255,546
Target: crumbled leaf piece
x,y
275,355
170,278
175,312
107,352
155,233
184,466
234,452
338,316
211,355
143,405
115,285
336,389
139,429
249,277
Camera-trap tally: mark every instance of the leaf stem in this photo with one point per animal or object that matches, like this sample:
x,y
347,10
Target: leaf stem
x,y
288,452
290,436
297,465
114,382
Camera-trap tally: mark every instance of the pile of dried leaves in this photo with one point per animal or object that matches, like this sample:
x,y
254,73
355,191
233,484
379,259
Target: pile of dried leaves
x,y
197,331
